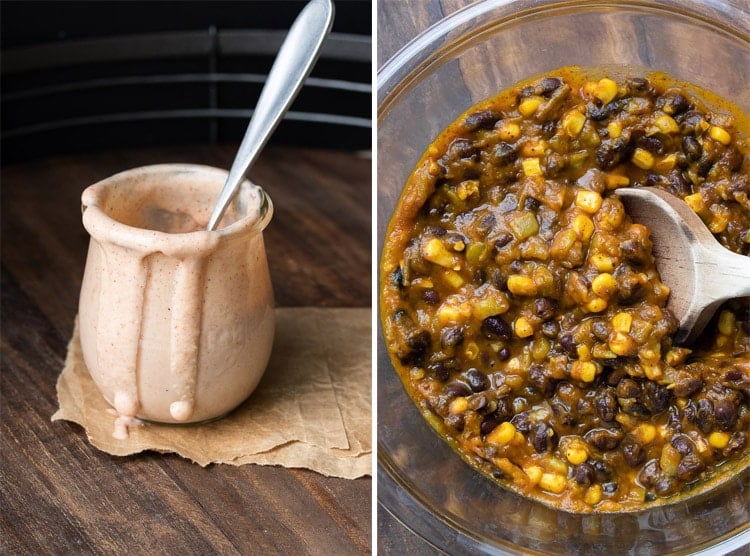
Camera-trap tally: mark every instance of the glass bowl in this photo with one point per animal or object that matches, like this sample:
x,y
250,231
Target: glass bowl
x,y
467,57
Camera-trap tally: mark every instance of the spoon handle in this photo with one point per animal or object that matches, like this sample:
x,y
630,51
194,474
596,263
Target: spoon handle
x,y
293,63
731,273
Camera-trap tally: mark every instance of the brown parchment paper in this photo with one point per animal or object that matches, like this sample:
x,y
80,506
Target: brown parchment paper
x,y
312,409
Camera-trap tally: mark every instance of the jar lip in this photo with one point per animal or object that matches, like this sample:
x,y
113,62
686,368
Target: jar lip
x,y
102,226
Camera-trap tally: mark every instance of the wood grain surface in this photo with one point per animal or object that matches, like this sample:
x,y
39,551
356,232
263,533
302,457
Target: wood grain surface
x,y
58,494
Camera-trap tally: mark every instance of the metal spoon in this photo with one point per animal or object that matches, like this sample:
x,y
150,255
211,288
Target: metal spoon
x,y
699,271
293,63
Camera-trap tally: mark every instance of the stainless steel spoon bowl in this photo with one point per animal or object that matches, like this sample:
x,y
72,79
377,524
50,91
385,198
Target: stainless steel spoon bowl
x,y
293,63
699,271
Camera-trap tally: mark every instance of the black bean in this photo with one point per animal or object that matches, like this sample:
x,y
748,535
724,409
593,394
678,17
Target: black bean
x,y
604,439
600,329
689,121
686,384
628,388
522,422
683,444
677,184
457,388
652,144
433,230
633,453
550,329
484,119
672,102
612,152
673,419
606,405
456,420
609,488
704,417
504,409
725,412
649,474
736,443
451,337
542,438
603,471
584,474
692,148
440,370
690,467
503,153
636,85
530,203
539,376
486,224
496,327
633,407
569,345
478,381
460,148
503,354
489,424
544,308
430,296
655,396
502,240
397,278
664,485
547,85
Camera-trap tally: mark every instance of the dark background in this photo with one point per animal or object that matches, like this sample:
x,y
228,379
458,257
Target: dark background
x,y
88,76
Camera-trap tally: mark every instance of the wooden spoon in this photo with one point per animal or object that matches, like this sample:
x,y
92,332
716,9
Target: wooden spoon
x,y
699,271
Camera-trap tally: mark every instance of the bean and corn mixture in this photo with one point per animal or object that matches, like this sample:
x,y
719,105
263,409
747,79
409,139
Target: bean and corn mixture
x,y
522,308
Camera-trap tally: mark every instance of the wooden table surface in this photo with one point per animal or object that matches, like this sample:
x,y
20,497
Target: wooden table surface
x,y
58,494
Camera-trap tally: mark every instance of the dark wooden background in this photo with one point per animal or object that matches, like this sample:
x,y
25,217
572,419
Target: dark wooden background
x,y
58,494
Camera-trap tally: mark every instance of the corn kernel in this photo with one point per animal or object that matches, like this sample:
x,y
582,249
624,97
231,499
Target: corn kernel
x,y
576,452
552,482
472,351
534,473
518,439
622,344
434,251
523,327
539,349
726,322
509,131
502,434
602,351
666,163
467,188
604,285
416,373
614,129
602,263
666,124
645,433
652,370
596,305
695,202
585,371
718,223
528,106
458,405
521,285
616,180
588,201
453,279
719,439
669,460
676,356
622,322
531,167
534,148
643,159
606,90
583,226
584,352
593,495
572,122
719,134
448,314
